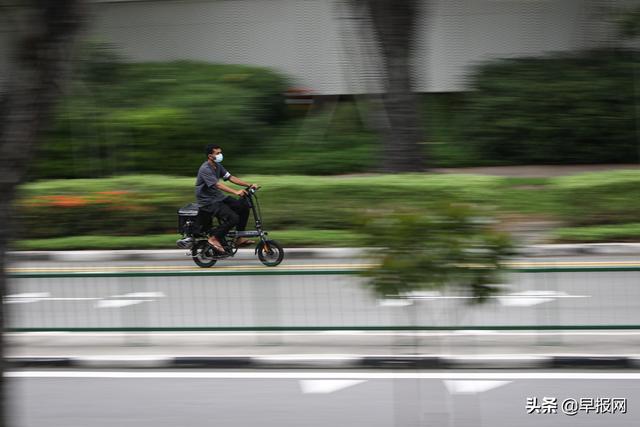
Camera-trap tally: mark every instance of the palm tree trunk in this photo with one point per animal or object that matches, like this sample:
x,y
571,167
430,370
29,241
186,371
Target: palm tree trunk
x,y
46,32
395,26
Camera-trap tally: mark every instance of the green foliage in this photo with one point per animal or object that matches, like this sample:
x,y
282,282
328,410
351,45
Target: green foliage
x,y
148,118
329,142
602,233
629,23
449,245
444,123
157,117
563,108
288,238
125,118
147,204
97,64
599,198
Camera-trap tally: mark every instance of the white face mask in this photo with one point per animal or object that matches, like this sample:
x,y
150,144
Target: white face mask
x,y
218,158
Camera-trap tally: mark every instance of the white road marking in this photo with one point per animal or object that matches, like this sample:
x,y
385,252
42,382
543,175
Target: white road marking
x,y
423,294
533,297
338,357
445,375
469,387
32,297
117,303
25,298
41,296
141,295
394,302
29,295
517,299
213,334
326,386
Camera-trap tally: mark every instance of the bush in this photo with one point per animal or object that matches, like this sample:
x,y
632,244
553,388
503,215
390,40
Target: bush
x,y
142,205
332,141
558,109
602,233
138,205
444,122
448,246
157,118
599,198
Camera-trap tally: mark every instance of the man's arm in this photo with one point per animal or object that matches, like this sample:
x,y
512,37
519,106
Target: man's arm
x,y
229,190
238,181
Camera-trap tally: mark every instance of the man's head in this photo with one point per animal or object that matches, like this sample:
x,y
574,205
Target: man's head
x,y
214,152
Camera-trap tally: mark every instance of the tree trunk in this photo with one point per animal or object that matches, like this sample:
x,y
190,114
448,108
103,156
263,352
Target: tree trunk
x,y
395,23
45,31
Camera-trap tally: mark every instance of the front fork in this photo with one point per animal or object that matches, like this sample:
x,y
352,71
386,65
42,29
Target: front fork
x,y
264,242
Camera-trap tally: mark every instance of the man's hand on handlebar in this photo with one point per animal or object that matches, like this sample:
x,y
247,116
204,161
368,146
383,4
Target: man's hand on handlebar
x,y
244,192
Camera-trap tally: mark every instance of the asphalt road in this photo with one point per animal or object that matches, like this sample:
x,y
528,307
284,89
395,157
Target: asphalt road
x,y
191,398
594,298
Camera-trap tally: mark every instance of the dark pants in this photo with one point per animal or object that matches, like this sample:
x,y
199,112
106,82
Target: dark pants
x,y
231,213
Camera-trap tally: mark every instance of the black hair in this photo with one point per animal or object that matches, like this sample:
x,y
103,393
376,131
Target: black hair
x,y
210,148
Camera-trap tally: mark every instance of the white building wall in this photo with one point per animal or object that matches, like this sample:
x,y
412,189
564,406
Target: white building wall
x,y
460,33
297,37
322,47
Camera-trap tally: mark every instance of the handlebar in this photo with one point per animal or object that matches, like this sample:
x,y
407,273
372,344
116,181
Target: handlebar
x,y
251,191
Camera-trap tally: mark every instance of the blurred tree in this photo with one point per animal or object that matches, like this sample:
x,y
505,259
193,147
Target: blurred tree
x,y
45,32
560,108
394,24
452,246
629,23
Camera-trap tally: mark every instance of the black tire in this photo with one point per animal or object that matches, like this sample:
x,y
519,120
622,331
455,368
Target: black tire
x,y
202,255
270,253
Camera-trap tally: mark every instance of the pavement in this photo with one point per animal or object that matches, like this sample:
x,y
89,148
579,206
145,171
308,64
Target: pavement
x,y
328,349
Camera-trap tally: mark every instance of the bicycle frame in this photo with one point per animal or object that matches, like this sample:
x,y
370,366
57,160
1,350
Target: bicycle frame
x,y
252,200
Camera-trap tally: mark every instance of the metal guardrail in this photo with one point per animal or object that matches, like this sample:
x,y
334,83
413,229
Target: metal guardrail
x,y
314,300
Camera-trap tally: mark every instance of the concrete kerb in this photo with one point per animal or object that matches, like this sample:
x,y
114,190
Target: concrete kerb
x,y
169,255
332,362
301,253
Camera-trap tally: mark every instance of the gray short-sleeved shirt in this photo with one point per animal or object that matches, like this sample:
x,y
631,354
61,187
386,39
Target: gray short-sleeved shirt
x,y
207,194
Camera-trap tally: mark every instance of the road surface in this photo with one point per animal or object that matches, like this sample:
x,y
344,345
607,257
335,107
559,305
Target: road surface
x,y
190,398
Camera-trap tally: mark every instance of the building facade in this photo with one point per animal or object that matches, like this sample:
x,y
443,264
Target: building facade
x,y
328,46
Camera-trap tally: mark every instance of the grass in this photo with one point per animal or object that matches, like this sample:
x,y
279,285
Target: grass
x,y
595,234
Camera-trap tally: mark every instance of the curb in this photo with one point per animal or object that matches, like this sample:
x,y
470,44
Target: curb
x,y
169,255
301,253
332,362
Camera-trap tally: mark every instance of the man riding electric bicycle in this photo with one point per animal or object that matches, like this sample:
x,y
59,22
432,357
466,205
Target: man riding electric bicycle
x,y
206,246
210,194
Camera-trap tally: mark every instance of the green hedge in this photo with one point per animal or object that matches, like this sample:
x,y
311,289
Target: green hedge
x,y
136,205
139,205
562,108
599,198
157,118
602,233
154,118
